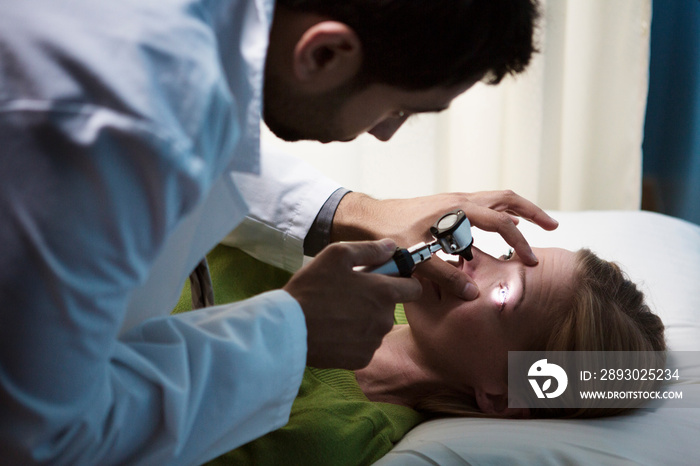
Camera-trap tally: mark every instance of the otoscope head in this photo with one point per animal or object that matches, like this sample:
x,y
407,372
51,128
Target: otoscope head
x,y
453,232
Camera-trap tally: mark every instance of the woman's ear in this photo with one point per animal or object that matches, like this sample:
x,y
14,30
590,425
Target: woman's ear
x,y
496,404
327,55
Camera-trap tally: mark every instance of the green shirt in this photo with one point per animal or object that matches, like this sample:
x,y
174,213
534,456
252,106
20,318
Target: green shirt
x,y
331,422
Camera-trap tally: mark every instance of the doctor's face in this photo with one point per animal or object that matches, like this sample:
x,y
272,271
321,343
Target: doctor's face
x,y
469,340
348,111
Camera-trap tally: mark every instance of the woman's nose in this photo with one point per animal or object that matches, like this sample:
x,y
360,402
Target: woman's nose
x,y
481,261
470,266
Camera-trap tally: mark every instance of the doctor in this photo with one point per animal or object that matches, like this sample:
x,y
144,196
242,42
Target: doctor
x,y
129,146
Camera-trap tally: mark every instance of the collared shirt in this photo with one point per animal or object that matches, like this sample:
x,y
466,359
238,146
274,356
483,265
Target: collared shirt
x,y
121,124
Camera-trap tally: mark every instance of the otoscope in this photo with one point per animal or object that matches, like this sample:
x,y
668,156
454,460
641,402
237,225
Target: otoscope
x,y
452,233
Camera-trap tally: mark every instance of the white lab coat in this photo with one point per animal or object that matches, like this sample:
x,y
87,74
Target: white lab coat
x,y
122,123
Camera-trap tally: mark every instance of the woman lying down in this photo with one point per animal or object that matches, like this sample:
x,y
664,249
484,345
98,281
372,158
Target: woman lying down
x,y
449,357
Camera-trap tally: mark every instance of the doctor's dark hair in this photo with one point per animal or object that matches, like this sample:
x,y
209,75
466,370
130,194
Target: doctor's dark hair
x,y
420,44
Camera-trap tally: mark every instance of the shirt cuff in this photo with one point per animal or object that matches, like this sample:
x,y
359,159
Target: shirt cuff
x,y
319,234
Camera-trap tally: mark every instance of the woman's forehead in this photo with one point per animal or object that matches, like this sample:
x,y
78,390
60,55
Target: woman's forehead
x,y
556,261
552,280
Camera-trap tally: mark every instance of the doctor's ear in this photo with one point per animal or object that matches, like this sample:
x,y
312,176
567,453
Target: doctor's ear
x,y
496,404
327,55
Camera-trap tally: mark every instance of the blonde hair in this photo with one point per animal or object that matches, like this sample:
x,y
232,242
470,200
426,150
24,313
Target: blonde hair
x,y
607,313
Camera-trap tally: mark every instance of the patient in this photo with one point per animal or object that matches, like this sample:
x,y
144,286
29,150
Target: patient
x,y
449,357
452,358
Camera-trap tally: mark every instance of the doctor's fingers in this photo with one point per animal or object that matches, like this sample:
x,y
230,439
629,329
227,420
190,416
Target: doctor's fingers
x,y
376,290
398,289
503,224
383,288
513,204
449,278
347,255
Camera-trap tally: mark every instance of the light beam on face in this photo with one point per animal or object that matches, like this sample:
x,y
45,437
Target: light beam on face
x,y
501,295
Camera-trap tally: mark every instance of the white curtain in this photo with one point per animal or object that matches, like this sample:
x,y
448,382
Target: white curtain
x,y
567,134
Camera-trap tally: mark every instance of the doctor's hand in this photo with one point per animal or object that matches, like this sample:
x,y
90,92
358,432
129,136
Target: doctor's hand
x,y
407,221
348,312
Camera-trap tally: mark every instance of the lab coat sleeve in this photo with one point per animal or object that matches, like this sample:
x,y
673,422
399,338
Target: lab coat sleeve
x,y
86,201
284,201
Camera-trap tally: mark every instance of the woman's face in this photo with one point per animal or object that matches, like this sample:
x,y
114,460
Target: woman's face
x,y
468,341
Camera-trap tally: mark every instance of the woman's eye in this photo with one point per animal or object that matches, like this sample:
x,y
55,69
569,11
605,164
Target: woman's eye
x,y
508,255
502,296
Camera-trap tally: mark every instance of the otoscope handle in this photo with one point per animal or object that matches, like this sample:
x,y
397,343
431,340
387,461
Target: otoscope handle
x,y
400,265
